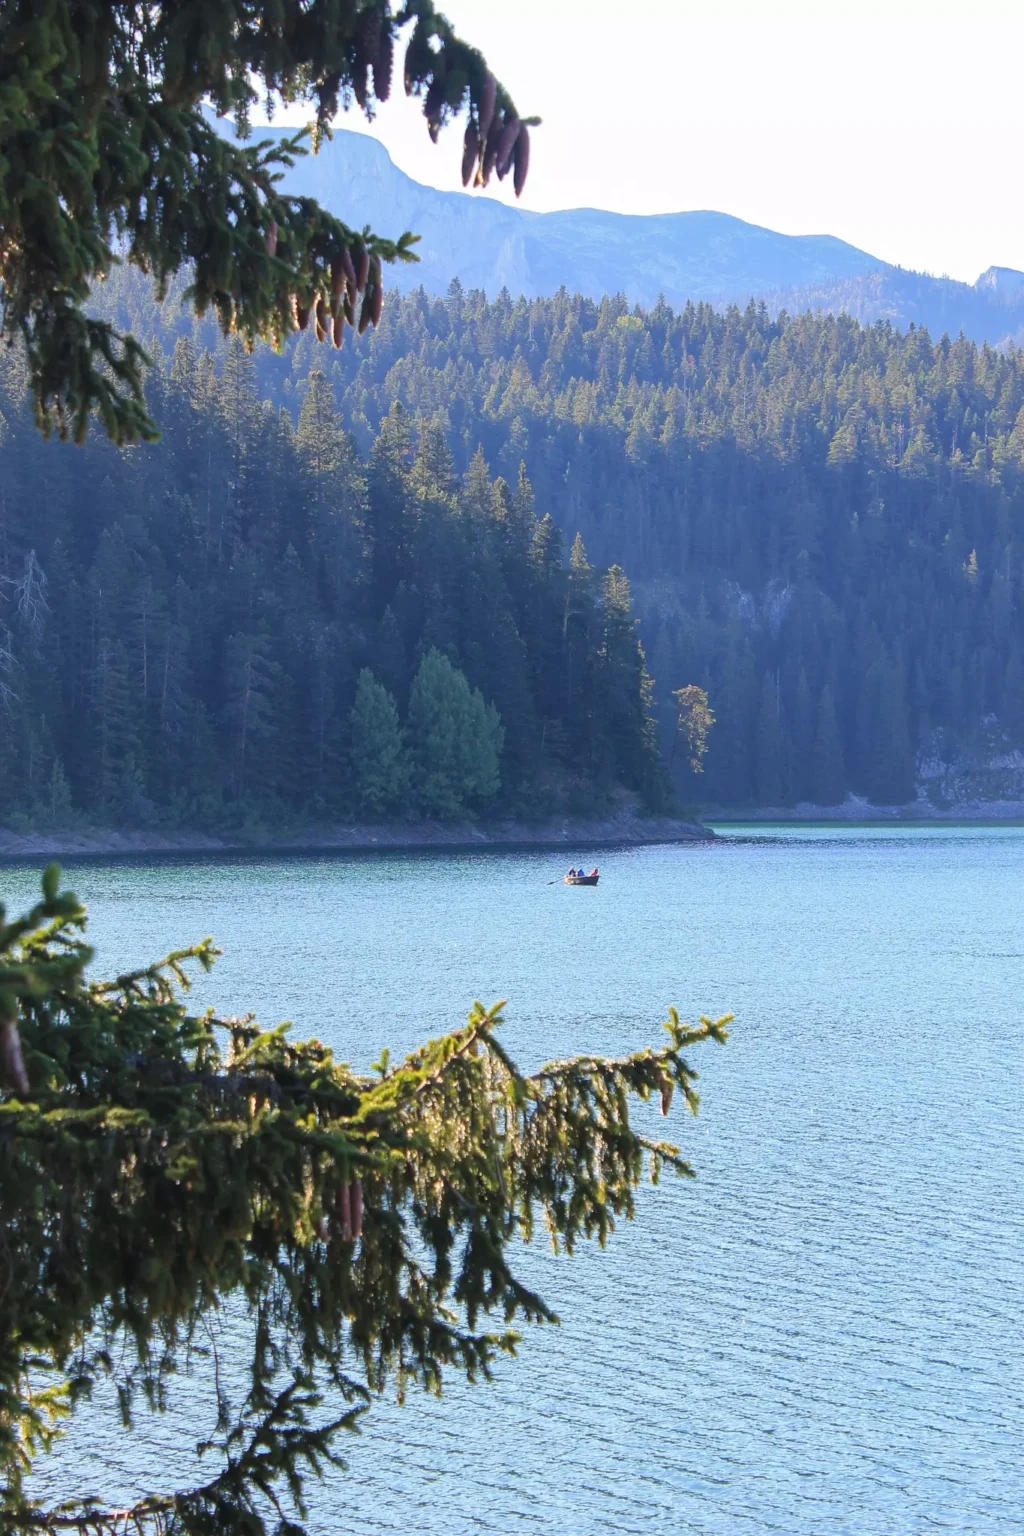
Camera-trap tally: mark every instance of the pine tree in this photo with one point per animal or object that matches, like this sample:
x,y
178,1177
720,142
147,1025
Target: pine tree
x,y
336,491
508,690
578,623
390,517
432,476
802,741
59,794
1013,696
389,659
455,740
770,766
896,781
115,729
693,725
730,760
828,774
250,676
477,492
623,693
544,622
887,760
380,767
320,438
519,514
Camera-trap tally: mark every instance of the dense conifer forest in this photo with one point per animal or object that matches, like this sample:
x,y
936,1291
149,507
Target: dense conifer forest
x,y
251,620
329,553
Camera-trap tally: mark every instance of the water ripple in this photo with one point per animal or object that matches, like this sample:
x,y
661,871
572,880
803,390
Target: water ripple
x,y
821,1337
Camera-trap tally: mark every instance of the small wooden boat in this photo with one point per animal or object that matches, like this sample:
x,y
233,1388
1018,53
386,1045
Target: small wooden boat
x,y
581,879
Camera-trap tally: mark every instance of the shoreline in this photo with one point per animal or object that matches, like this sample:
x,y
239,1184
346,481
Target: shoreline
x,y
854,809
620,829
560,832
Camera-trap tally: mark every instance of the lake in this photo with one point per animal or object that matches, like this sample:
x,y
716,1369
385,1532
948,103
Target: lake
x,y
822,1333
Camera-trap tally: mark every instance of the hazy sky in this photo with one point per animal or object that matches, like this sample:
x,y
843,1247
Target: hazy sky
x,y
897,126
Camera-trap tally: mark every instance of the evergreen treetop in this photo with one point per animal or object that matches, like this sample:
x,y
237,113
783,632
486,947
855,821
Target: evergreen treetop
x,y
380,767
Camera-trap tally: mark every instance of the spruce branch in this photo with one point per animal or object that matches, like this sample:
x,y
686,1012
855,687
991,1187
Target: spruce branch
x,y
162,1170
109,157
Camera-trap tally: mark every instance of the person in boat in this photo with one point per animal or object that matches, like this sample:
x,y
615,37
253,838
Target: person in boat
x,y
593,873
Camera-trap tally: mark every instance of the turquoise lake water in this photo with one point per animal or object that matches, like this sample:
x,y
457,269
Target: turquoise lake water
x,y
821,1334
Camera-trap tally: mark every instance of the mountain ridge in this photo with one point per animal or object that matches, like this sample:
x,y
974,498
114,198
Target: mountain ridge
x,y
694,255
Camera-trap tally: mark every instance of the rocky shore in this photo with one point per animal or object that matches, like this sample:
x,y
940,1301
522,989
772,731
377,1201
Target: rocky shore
x,y
623,827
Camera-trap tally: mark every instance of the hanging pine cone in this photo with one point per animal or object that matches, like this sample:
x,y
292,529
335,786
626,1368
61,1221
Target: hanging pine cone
x,y
337,279
11,1060
377,300
348,268
356,1197
323,320
490,152
521,160
383,64
470,153
511,129
363,270
485,111
343,1207
666,1095
434,100
365,311
338,329
271,238
301,312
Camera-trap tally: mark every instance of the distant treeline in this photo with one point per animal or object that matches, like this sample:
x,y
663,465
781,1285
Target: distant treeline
x,y
821,521
251,620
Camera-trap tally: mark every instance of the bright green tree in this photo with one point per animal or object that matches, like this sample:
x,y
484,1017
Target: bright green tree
x,y
109,156
160,1166
455,740
380,764
694,723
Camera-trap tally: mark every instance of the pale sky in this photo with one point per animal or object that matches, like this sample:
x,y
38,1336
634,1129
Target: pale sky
x,y
897,126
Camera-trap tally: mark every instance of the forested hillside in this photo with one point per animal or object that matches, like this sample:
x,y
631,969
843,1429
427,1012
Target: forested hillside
x,y
822,523
251,620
